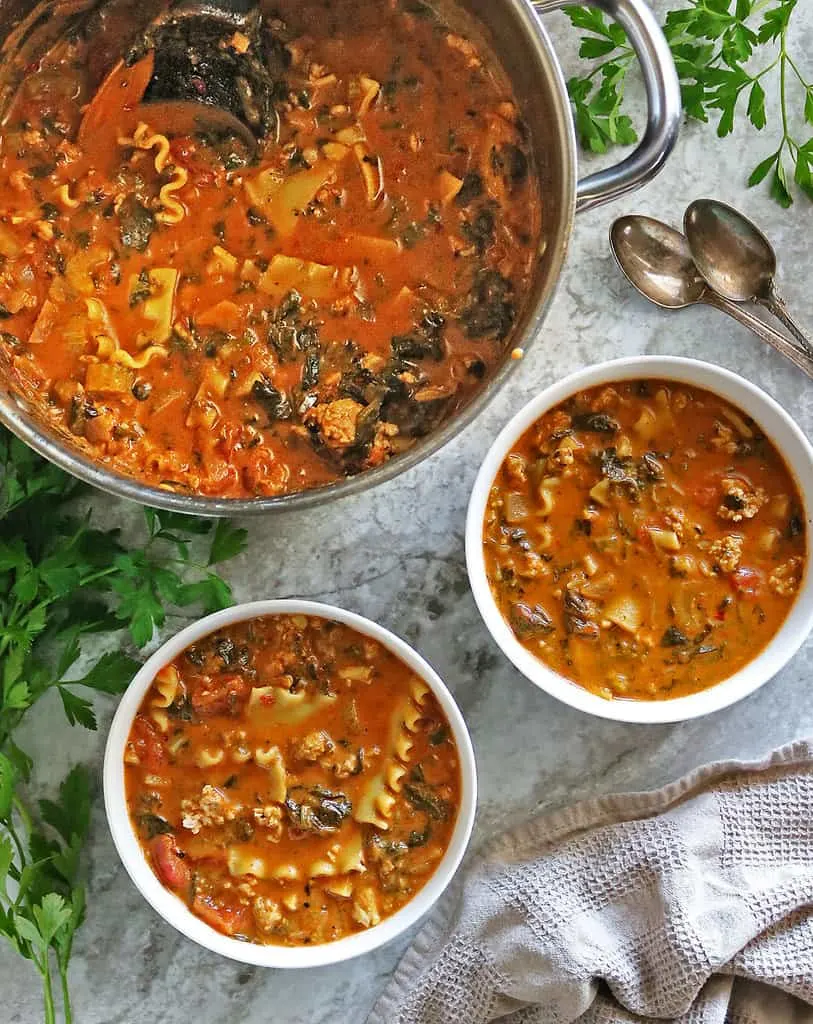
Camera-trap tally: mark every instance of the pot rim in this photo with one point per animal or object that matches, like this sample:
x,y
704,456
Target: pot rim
x,y
35,431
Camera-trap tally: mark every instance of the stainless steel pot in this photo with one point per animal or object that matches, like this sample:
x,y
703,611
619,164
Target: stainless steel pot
x,y
519,39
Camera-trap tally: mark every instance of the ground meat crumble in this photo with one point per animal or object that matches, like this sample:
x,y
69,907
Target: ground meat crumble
x,y
739,500
727,552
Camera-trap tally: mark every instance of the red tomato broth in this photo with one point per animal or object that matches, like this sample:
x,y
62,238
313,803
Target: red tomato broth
x,y
228,404
242,855
644,539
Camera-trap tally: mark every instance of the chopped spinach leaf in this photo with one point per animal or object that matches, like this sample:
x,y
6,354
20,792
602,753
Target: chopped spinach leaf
x,y
153,825
316,809
470,190
489,311
423,798
480,230
273,401
142,289
419,838
528,621
136,224
673,637
595,423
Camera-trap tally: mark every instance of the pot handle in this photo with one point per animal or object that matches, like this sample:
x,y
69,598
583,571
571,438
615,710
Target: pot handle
x,y
663,102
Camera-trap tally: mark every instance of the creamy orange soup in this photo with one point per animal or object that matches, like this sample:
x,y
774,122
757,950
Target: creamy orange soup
x,y
291,780
220,321
645,539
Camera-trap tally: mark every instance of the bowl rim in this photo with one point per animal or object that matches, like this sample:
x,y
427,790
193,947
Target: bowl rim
x,y
173,910
798,454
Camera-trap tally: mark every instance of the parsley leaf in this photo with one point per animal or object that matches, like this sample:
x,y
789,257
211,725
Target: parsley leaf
x,y
78,711
227,542
723,51
61,580
71,815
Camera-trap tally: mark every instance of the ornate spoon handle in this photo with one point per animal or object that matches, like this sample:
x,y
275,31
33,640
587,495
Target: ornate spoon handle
x,y
800,359
775,304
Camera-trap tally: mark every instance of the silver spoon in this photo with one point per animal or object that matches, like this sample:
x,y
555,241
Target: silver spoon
x,y
656,260
736,259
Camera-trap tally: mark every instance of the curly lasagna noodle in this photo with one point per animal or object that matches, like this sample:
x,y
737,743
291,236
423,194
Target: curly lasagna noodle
x,y
291,780
294,296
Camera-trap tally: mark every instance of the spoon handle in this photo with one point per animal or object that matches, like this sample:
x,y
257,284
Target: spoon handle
x,y
800,359
775,304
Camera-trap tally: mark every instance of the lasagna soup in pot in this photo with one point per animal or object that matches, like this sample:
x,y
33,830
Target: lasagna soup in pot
x,y
252,261
644,539
291,780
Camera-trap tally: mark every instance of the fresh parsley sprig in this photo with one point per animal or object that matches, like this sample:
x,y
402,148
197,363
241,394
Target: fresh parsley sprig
x,y
724,50
61,581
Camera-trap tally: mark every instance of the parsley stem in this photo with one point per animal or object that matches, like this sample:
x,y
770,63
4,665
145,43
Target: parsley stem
x,y
625,57
66,995
47,991
783,66
20,849
25,814
805,84
766,69
783,74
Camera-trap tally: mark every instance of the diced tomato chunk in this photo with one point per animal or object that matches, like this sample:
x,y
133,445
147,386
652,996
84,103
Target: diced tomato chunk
x,y
221,695
706,492
746,581
170,865
706,495
147,743
226,919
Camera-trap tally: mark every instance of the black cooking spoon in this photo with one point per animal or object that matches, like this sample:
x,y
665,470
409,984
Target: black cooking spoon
x,y
216,66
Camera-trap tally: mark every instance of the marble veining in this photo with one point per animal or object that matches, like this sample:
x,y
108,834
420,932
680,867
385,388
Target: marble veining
x,y
396,554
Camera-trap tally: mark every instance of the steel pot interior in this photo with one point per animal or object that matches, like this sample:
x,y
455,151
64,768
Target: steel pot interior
x,y
513,32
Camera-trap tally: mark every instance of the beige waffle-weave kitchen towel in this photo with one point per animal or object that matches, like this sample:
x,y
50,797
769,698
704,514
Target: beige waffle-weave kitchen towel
x,y
690,904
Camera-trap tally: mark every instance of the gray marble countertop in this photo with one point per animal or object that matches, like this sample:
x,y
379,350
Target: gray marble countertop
x,y
396,555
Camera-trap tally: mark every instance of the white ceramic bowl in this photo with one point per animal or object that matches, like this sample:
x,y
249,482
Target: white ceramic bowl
x,y
174,910
776,424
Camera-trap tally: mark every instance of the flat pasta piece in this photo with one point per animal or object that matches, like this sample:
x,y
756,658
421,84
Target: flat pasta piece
x,y
108,379
313,280
208,758
351,856
378,799
270,758
244,861
322,868
275,705
158,307
286,873
161,719
342,858
366,810
167,684
282,199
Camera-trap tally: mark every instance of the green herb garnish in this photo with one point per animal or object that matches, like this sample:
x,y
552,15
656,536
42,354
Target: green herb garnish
x,y
724,50
61,580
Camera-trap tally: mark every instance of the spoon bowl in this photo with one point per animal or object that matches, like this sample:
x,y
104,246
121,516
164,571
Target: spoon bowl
x,y
731,253
656,260
736,259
